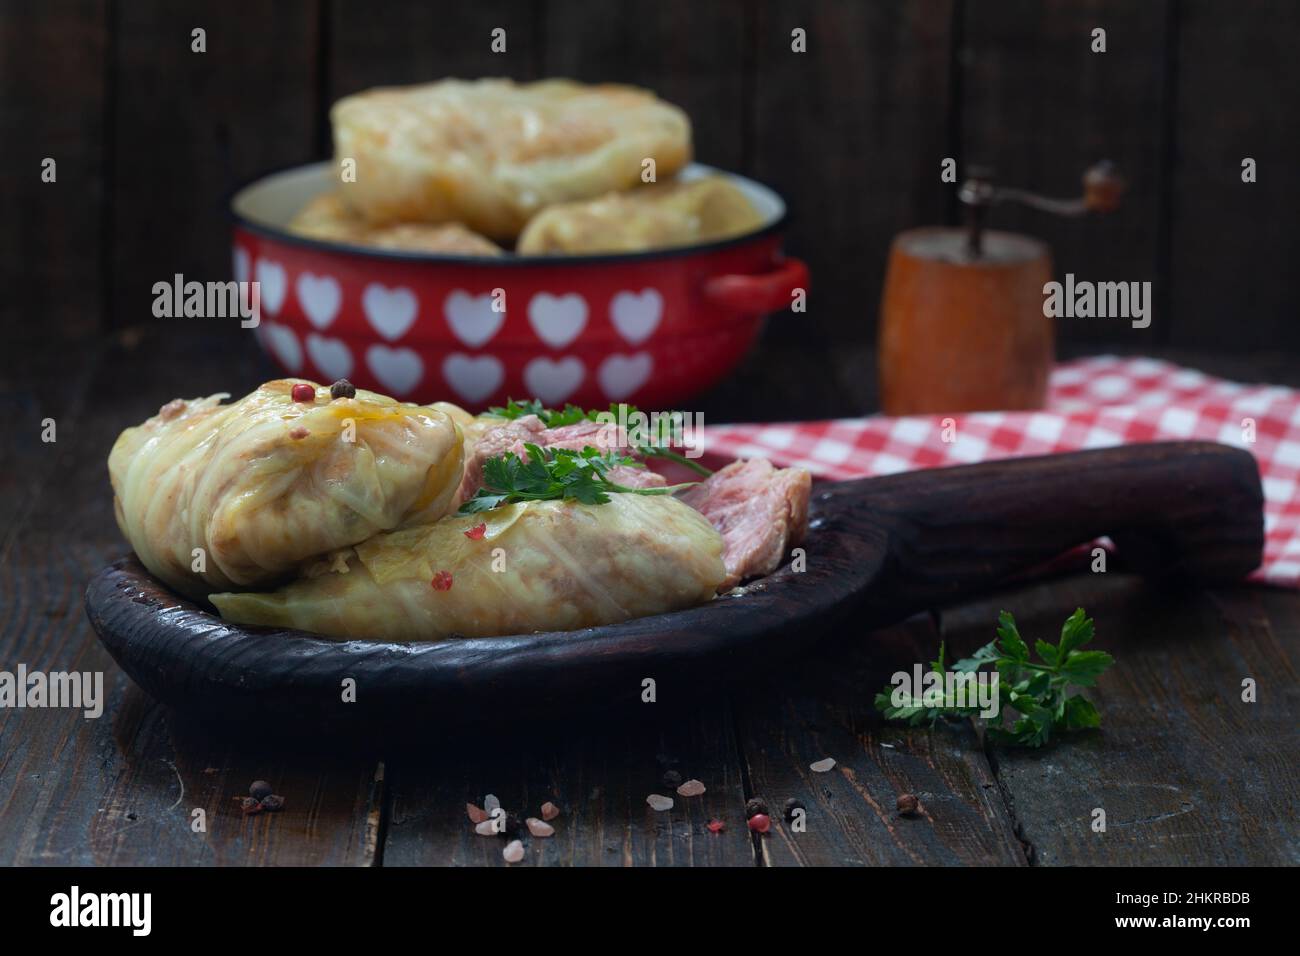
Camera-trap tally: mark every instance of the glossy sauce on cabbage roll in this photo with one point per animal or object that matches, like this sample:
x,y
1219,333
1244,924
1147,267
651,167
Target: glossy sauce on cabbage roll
x,y
534,566
215,496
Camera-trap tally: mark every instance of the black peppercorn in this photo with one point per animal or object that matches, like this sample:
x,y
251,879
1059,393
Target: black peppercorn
x,y
260,789
908,804
791,806
672,779
343,389
755,806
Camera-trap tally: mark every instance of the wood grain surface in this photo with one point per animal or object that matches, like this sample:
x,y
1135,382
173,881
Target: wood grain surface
x,y
184,127
123,788
1219,226
851,817
884,546
598,772
415,42
885,112
1039,106
54,234
150,135
1185,770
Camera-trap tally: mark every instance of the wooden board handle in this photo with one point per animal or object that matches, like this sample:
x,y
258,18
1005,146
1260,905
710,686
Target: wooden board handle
x,y
1192,509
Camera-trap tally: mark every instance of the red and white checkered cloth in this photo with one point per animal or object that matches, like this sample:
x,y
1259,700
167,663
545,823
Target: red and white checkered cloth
x,y
1092,403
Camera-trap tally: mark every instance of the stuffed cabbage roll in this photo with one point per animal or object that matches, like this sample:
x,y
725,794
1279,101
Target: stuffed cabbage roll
x,y
490,153
533,566
268,482
649,217
325,217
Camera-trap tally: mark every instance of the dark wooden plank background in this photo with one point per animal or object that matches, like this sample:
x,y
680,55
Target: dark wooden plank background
x,y
124,787
179,143
53,234
1038,106
150,135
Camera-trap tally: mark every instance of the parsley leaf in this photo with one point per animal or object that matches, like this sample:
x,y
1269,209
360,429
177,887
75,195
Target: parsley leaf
x,y
1013,645
1035,693
572,414
551,474
551,417
513,409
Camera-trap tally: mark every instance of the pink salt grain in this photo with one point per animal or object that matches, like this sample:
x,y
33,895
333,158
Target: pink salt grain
x,y
659,802
539,829
822,766
486,828
514,851
691,788
476,814
550,811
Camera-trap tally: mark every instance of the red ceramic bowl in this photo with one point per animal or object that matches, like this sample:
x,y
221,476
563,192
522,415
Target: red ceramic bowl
x,y
649,328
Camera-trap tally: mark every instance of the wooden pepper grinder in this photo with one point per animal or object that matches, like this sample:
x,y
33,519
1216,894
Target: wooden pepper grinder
x,y
962,326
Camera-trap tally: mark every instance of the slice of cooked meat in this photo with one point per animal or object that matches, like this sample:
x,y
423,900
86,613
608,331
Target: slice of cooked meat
x,y
606,437
630,476
511,436
761,511
580,435
493,442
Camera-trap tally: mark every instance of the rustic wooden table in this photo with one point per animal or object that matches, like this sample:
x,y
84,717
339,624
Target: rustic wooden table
x,y
1184,769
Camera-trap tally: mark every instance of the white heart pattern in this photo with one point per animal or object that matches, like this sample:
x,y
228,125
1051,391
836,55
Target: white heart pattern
x,y
553,382
472,318
621,375
241,264
320,297
272,283
391,311
473,378
398,370
331,356
284,345
557,319
636,315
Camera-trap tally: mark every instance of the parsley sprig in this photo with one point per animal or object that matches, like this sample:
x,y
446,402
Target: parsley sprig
x,y
1036,691
549,474
551,418
572,414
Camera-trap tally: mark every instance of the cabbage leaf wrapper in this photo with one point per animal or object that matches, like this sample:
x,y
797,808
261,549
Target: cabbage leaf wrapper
x,y
533,566
266,483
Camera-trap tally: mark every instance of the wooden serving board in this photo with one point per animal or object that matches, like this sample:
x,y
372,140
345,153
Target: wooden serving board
x,y
878,548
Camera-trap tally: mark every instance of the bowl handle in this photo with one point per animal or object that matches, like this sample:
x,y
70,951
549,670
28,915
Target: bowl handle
x,y
758,294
